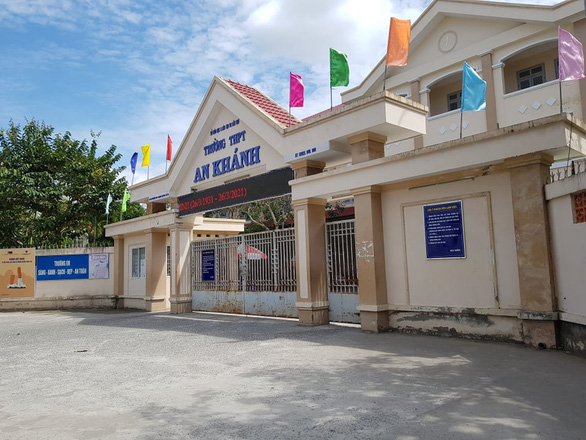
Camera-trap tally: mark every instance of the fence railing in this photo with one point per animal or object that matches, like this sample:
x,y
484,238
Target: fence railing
x,y
560,173
341,257
264,261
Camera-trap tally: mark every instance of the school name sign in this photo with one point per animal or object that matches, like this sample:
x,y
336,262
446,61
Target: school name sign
x,y
237,160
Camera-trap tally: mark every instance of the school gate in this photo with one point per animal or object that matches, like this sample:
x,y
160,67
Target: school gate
x,y
421,172
255,273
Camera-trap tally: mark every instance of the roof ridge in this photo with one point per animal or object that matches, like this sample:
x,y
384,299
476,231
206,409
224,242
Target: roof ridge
x,y
263,103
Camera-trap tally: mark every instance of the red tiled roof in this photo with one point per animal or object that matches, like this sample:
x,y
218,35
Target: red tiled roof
x,y
263,102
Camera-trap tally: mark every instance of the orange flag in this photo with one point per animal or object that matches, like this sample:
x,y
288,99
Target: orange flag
x,y
398,47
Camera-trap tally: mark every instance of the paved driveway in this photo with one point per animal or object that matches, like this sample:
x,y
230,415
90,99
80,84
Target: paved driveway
x,y
135,375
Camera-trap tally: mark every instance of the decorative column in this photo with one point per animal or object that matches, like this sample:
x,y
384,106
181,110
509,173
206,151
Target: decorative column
x,y
370,259
306,167
310,260
416,96
118,269
367,146
487,75
368,226
154,207
156,270
498,76
528,176
425,100
180,295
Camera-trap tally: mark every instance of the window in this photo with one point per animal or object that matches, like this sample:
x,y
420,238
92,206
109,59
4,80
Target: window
x,y
168,261
454,100
556,68
530,77
580,207
138,263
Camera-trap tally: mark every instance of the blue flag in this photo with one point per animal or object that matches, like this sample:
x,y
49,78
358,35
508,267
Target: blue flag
x,y
133,160
473,90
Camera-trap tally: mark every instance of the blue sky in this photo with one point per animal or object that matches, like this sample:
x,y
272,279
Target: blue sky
x,y
137,70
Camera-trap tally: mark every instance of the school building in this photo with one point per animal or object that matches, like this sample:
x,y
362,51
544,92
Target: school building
x,y
466,223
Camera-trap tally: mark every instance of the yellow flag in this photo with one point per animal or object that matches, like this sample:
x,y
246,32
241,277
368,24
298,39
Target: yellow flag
x,y
146,155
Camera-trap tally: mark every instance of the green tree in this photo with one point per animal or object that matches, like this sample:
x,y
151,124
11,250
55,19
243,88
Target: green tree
x,y
266,215
54,188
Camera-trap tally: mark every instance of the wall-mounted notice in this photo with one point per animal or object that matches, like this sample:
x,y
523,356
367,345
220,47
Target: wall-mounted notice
x,y
444,230
99,268
17,273
63,267
208,265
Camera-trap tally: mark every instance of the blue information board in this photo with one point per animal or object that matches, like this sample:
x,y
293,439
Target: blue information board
x,y
62,267
208,265
444,231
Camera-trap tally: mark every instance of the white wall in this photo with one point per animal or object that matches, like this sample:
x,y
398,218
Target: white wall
x,y
490,266
76,288
569,248
64,294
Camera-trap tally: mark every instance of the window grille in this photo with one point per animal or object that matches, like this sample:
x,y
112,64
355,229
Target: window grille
x,y
530,77
138,262
455,100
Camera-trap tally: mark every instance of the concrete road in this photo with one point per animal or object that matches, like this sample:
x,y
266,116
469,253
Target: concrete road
x,y
135,375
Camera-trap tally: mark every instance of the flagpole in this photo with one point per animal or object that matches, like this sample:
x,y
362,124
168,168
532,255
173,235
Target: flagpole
x,y
461,119
331,99
385,79
148,170
165,165
561,102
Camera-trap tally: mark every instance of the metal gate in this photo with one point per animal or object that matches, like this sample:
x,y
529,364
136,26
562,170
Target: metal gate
x,y
255,273
342,272
252,274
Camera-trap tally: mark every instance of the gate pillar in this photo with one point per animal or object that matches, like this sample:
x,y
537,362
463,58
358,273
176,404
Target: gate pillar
x,y
310,260
156,268
180,295
118,269
370,259
528,176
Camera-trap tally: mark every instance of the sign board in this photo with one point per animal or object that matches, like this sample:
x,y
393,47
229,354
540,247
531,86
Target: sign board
x,y
63,267
99,266
17,273
444,230
208,265
264,186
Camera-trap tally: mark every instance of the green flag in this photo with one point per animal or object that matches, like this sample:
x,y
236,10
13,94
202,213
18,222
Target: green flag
x,y
339,70
125,198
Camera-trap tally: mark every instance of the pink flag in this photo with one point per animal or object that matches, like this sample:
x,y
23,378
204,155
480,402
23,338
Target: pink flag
x,y
296,90
570,56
